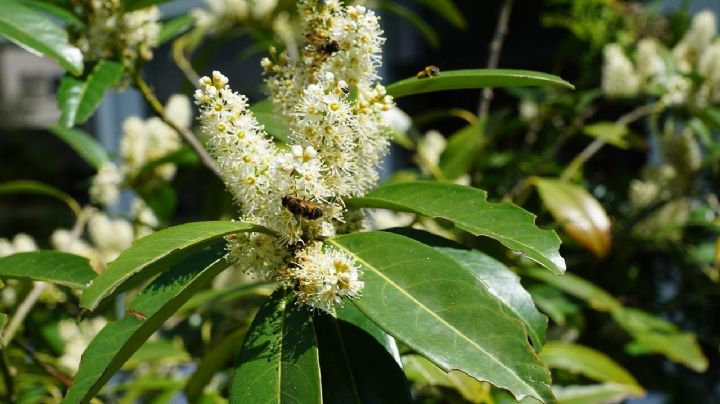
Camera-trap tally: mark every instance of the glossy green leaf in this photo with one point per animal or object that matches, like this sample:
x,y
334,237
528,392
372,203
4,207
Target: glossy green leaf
x,y
587,362
610,132
502,283
279,359
146,313
39,188
469,210
55,10
653,335
424,28
582,216
157,252
462,150
84,144
79,98
49,266
175,27
436,307
421,370
474,78
39,35
350,314
216,358
355,367
275,126
592,394
446,9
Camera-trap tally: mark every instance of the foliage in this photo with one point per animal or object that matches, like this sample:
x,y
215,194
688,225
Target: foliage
x,y
336,286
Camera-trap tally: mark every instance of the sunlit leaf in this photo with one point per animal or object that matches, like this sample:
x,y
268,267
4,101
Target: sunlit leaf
x,y
38,34
582,216
157,252
462,150
433,305
474,78
587,362
79,98
175,27
50,266
610,132
20,187
592,394
469,210
274,125
279,359
117,342
423,371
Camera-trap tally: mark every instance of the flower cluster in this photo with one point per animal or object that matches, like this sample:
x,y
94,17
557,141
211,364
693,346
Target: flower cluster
x,y
142,142
115,33
687,74
333,107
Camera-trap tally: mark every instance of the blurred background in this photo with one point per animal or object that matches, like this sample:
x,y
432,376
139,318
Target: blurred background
x,y
564,37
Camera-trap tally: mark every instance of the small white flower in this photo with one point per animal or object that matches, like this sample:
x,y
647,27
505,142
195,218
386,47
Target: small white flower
x,y
105,186
619,78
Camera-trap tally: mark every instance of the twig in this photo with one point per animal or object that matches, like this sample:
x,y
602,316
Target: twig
x,y
186,134
598,143
494,58
22,312
56,374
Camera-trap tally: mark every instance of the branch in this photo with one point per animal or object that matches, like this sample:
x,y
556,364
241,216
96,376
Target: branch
x,y
56,374
186,134
598,143
22,311
494,58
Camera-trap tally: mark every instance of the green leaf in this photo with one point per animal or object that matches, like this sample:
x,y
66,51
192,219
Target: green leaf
x,y
217,356
275,126
423,371
39,188
470,211
462,150
427,31
39,35
279,359
582,216
610,132
505,286
84,144
78,99
653,335
587,362
55,10
157,252
433,305
162,199
210,297
446,9
175,27
184,156
355,367
49,266
155,352
571,284
116,343
593,394
474,78
3,321
350,314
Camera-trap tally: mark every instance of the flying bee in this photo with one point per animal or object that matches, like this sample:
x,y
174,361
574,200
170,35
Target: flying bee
x,y
428,71
329,47
301,207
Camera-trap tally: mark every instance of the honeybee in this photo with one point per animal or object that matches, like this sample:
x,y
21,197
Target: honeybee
x,y
428,71
301,207
329,47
